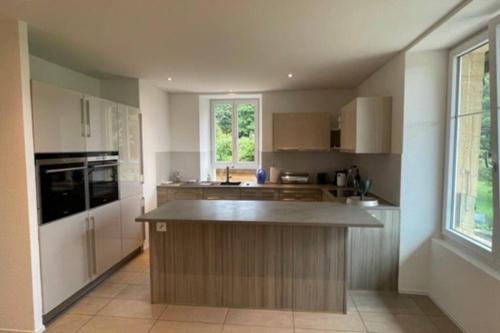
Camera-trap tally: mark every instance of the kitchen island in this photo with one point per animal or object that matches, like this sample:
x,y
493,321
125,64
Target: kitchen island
x,y
252,254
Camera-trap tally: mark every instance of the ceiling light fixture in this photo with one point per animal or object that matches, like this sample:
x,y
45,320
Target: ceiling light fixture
x,y
290,75
169,79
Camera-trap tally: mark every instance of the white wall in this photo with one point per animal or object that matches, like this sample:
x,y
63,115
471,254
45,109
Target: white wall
x,y
422,164
184,116
43,70
154,105
385,170
20,289
466,290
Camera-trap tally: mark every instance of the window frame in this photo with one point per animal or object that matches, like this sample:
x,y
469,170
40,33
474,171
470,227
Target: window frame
x,y
452,150
235,163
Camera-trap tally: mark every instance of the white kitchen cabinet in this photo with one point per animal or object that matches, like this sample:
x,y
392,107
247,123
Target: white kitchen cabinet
x,y
365,126
132,231
64,257
58,119
101,120
129,147
304,131
106,237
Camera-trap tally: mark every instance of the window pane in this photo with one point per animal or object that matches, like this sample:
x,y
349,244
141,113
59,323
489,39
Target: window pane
x,y
223,113
246,132
473,179
473,67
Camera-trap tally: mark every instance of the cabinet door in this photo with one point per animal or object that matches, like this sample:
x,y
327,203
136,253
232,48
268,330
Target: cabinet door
x,y
132,231
348,127
222,194
185,194
129,146
301,195
58,119
64,257
101,124
107,236
301,131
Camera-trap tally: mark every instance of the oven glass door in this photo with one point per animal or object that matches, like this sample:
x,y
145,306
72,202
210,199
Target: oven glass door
x,y
62,190
103,183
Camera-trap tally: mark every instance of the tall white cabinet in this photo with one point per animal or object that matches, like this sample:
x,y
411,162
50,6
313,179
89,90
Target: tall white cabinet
x,y
78,249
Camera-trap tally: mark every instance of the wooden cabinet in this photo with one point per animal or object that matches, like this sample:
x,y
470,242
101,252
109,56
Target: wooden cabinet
x,y
221,194
259,194
58,119
106,237
132,232
366,126
300,195
169,194
129,147
64,258
374,254
101,119
301,131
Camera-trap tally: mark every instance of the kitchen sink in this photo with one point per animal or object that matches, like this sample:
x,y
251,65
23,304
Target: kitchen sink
x,y
231,183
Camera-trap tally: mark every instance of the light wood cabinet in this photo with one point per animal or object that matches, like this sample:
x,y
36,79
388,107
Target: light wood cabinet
x,y
259,194
222,194
366,126
300,195
308,131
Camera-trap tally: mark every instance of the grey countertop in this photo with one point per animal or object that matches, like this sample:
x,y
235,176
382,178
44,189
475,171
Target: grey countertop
x,y
262,212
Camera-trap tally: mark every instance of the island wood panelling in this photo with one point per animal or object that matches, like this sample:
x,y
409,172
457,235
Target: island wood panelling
x,y
374,253
256,266
374,258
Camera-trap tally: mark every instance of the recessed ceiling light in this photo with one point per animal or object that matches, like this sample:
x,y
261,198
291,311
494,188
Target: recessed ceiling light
x,y
169,79
290,75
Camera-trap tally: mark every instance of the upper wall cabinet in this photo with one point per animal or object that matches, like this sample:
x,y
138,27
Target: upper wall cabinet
x,y
301,131
67,121
365,126
58,119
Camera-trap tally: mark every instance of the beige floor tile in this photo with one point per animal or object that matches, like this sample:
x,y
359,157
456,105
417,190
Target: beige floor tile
x,y
268,318
89,305
255,329
136,292
398,323
132,309
136,266
329,321
141,278
182,327
202,314
100,324
386,303
351,307
68,323
444,324
123,277
107,289
427,305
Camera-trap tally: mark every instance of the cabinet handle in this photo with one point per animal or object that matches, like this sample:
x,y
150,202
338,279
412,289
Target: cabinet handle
x,y
94,264
88,118
82,116
89,247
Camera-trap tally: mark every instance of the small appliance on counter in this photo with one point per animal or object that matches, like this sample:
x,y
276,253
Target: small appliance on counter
x,y
274,174
341,178
323,178
288,177
363,186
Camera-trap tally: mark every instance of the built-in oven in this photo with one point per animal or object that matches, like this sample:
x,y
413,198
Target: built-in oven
x,y
103,179
61,182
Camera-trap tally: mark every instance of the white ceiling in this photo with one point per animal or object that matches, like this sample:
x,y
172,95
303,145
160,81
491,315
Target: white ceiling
x,y
222,45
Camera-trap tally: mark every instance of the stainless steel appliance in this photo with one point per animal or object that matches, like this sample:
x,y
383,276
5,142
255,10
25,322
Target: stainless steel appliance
x,y
103,179
70,183
294,178
61,182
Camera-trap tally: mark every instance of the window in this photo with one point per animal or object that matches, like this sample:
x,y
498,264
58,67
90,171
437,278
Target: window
x,y
470,120
235,137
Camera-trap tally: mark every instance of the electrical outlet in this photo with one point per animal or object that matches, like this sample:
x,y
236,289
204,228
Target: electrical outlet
x,y
161,227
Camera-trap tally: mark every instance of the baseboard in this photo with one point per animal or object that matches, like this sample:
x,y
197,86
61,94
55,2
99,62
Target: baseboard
x,y
38,330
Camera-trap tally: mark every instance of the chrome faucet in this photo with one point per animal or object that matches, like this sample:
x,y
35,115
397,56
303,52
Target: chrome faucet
x,y
227,175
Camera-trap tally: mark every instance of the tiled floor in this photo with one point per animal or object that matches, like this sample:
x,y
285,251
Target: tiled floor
x,y
121,304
